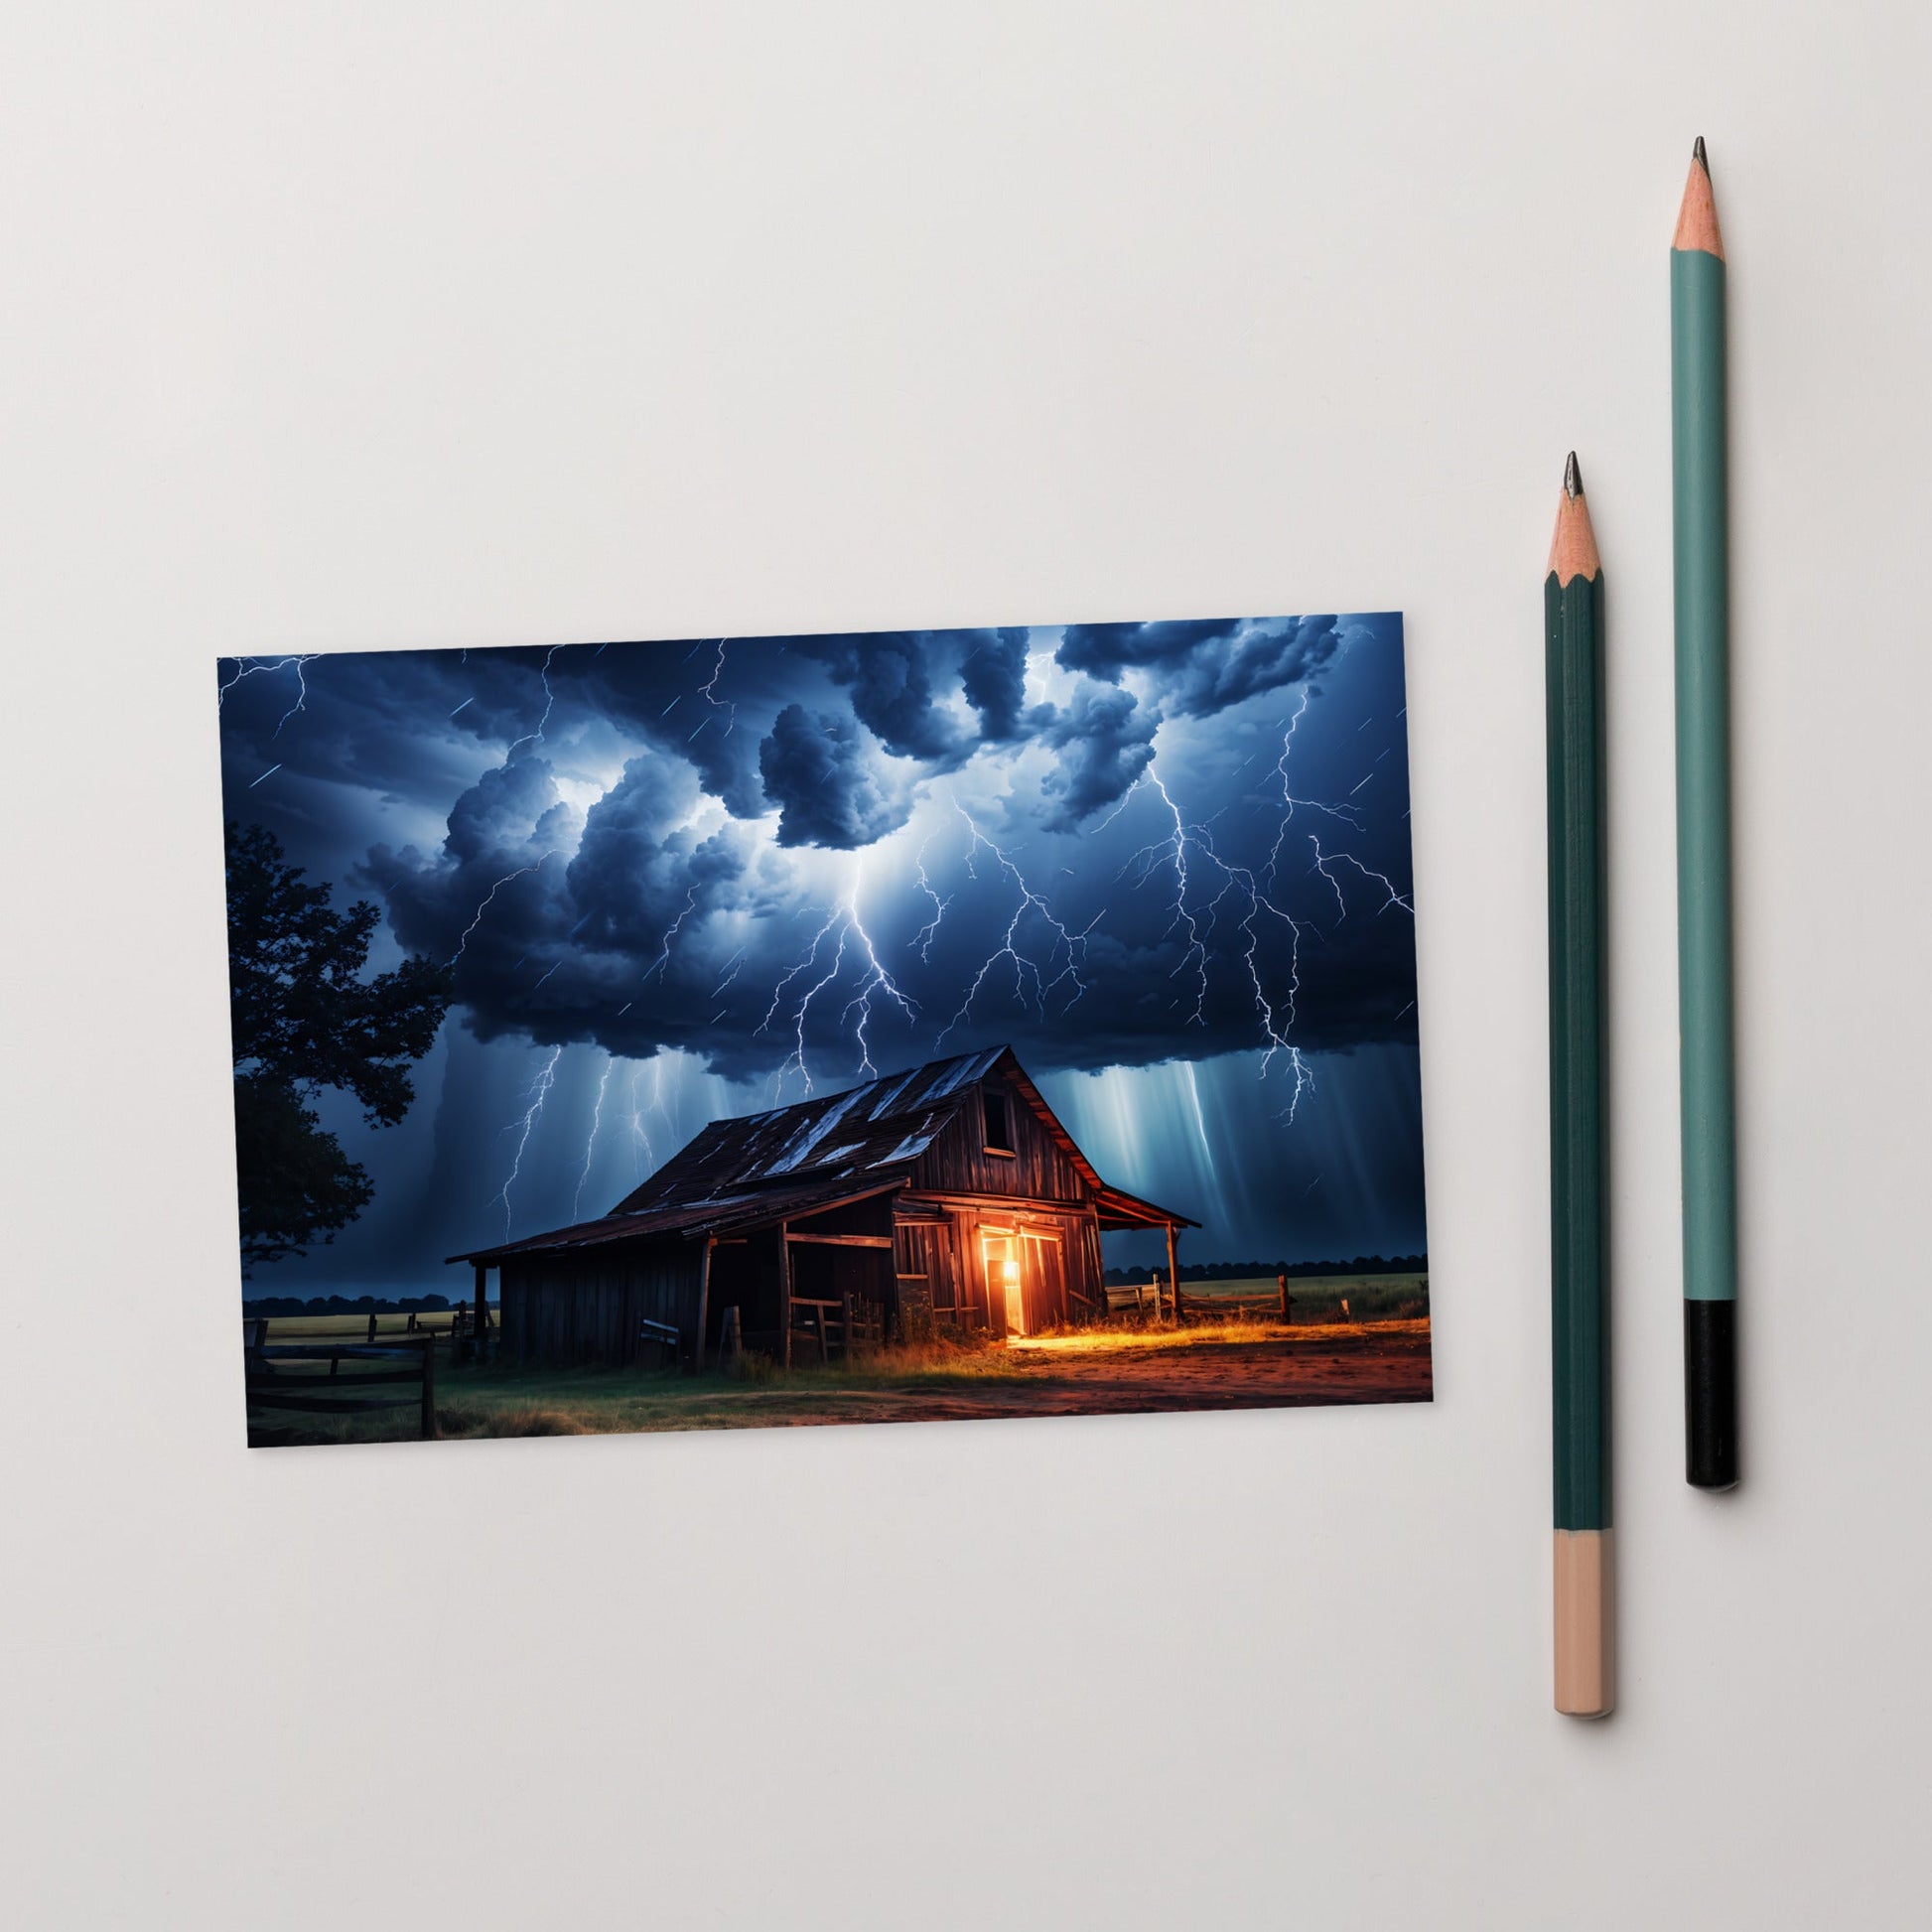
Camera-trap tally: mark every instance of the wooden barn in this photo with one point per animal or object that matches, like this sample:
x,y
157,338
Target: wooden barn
x,y
947,1195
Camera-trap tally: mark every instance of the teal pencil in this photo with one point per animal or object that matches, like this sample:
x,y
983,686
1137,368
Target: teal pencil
x,y
1700,518
1579,1271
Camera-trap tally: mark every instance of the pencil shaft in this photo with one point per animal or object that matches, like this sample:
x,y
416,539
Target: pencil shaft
x,y
1579,1225
1703,886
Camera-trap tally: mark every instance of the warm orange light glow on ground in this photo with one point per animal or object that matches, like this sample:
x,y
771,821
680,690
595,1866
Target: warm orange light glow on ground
x,y
1102,1341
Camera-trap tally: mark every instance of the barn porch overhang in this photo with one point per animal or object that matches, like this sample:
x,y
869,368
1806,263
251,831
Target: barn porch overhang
x,y
1119,1210
744,1212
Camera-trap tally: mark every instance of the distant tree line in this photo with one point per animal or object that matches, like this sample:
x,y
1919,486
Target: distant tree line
x,y
341,1304
1238,1270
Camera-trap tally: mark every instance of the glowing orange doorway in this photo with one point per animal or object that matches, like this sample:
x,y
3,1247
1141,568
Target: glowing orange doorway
x,y
1002,1256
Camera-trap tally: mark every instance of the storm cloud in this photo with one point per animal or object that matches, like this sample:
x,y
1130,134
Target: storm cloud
x,y
1207,667
792,858
1105,741
823,773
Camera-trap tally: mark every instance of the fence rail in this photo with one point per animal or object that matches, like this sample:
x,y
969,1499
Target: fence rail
x,y
306,1377
848,1324
1145,1298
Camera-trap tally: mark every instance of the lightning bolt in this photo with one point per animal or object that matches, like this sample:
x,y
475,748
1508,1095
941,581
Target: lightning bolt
x,y
634,1117
671,931
876,980
1276,1016
926,935
590,1144
1344,814
1324,860
301,693
709,689
549,704
797,1054
1025,970
1175,850
254,667
848,925
490,894
537,1094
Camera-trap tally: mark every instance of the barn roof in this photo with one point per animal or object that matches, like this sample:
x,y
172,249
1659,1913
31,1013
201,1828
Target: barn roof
x,y
864,1131
817,1154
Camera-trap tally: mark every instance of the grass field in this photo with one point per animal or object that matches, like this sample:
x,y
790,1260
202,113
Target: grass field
x,y
356,1327
1238,1362
1318,1297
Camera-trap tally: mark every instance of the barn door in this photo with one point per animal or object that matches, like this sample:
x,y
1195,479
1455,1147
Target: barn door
x,y
1005,1280
1043,1271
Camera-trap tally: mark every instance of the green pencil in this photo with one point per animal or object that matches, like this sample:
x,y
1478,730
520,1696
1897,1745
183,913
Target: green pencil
x,y
1700,494
1580,1274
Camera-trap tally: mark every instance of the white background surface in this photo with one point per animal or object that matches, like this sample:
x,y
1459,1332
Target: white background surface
x,y
350,327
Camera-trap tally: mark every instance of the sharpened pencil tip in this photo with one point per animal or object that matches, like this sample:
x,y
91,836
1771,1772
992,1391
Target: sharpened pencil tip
x,y
1573,478
1697,154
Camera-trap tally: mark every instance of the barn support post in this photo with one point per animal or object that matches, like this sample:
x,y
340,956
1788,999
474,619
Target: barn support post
x,y
483,1317
704,1296
1174,1272
784,1295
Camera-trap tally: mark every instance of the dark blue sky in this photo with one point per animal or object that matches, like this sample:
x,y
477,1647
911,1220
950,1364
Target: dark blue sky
x,y
1168,863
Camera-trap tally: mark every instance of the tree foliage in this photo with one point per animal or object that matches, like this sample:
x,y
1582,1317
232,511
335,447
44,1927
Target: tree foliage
x,y
305,1019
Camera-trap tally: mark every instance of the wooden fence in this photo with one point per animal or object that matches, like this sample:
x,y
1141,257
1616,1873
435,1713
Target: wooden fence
x,y
1140,1298
1155,1301
308,1376
847,1326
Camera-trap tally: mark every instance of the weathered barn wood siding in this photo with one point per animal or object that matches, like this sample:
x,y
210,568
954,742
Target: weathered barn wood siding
x,y
1086,1276
925,1262
957,1161
580,1311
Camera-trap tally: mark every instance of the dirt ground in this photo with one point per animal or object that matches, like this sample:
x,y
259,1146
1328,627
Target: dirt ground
x,y
1234,1364
1284,1368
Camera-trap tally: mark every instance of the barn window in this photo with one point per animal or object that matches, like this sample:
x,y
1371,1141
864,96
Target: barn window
x,y
999,1126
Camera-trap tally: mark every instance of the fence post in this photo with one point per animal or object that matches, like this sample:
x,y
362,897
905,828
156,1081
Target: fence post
x,y
784,1295
372,1325
704,1302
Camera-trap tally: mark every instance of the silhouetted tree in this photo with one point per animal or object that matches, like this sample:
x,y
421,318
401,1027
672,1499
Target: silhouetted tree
x,y
305,1019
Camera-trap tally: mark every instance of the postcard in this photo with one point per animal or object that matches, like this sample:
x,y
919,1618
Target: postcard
x,y
875,1027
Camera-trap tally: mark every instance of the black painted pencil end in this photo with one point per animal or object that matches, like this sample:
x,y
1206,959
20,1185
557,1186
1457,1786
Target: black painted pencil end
x,y
1711,1394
